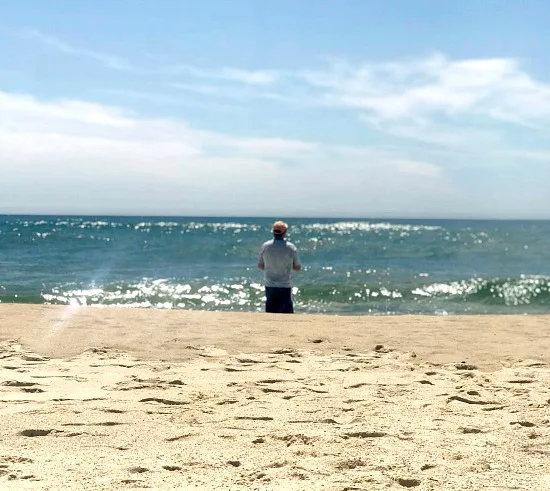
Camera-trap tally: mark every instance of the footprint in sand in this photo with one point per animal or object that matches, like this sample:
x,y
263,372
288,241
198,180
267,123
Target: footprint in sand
x,y
469,401
17,383
30,477
268,390
408,483
365,434
16,460
285,351
164,401
298,438
472,431
350,464
178,438
525,424
272,381
32,357
34,433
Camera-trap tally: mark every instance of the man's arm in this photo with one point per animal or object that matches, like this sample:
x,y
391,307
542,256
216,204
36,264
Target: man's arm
x,y
261,264
296,264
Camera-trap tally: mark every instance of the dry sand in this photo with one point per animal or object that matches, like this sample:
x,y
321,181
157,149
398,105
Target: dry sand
x,y
145,399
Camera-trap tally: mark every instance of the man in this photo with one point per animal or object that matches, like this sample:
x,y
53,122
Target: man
x,y
277,259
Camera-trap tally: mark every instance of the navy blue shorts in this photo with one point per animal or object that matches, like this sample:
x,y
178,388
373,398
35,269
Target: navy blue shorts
x,y
278,300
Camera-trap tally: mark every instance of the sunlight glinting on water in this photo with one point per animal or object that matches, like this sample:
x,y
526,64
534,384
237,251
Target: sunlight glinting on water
x,y
162,294
512,292
361,226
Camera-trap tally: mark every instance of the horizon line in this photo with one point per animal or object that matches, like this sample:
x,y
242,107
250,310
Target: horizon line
x,y
296,217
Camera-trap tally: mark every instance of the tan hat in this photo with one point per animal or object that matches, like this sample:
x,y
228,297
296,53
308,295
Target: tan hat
x,y
279,227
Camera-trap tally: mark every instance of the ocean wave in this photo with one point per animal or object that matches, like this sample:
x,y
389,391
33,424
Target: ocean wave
x,y
474,295
524,290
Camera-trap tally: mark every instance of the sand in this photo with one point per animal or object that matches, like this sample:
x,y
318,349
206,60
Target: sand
x,y
146,399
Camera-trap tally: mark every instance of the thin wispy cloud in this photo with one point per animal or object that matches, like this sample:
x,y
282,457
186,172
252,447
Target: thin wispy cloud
x,y
208,90
413,91
237,94
248,77
433,99
224,75
109,60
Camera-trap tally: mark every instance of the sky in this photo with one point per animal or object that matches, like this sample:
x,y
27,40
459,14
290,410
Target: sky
x,y
351,108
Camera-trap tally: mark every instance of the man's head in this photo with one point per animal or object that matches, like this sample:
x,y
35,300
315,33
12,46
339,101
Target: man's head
x,y
279,229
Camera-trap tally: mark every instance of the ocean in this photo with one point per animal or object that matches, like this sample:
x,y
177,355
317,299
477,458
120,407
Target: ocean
x,y
351,266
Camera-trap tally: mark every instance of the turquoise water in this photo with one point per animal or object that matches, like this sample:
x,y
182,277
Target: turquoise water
x,y
350,266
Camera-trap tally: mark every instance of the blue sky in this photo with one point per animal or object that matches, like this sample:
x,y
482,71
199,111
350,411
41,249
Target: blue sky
x,y
281,108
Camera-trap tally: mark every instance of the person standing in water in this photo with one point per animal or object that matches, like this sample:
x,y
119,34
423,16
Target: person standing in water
x,y
277,259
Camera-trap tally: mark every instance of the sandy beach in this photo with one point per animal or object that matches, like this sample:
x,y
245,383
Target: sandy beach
x,y
111,398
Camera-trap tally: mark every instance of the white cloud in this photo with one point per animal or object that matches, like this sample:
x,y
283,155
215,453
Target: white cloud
x,y
17,107
74,156
256,77
414,98
493,87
